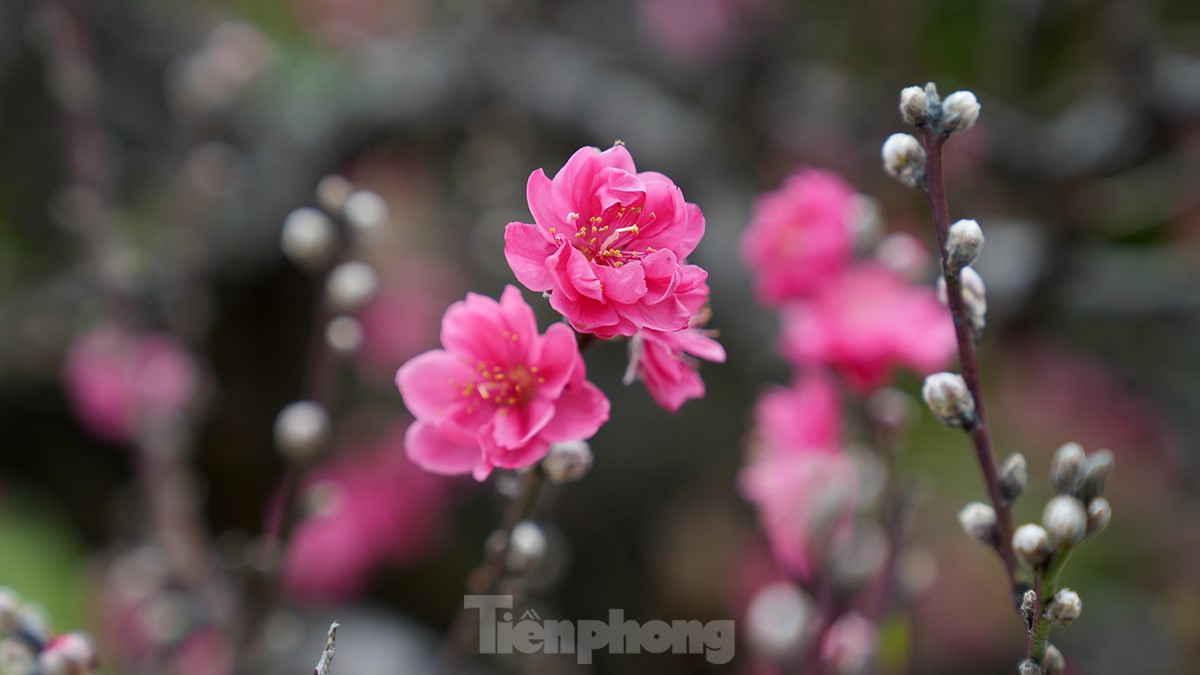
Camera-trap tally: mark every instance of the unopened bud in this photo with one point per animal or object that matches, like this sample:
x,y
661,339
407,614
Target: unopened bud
x,y
959,111
949,399
780,620
964,244
344,334
904,159
1064,607
567,462
1031,543
1029,667
365,210
351,285
526,547
16,655
974,294
1066,468
979,521
914,106
301,430
1014,474
1028,605
308,238
1097,469
70,654
332,192
1099,513
1065,520
1053,662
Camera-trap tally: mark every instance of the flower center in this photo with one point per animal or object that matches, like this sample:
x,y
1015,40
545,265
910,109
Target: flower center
x,y
607,238
504,387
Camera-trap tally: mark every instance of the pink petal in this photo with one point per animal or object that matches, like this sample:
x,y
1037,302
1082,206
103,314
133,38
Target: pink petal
x,y
585,314
431,450
511,458
469,329
618,187
626,284
557,360
431,382
521,336
515,426
526,248
580,413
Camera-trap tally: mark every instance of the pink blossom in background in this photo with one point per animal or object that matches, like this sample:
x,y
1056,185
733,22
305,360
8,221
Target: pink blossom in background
x,y
801,419
866,323
372,506
499,394
114,377
609,244
667,362
800,237
697,30
205,652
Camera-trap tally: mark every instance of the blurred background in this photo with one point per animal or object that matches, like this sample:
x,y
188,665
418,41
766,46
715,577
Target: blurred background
x,y
151,151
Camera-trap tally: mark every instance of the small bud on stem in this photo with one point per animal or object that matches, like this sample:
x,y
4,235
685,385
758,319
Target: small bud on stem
x,y
950,400
979,521
1031,543
914,106
964,244
904,159
1064,607
1014,474
960,110
1065,520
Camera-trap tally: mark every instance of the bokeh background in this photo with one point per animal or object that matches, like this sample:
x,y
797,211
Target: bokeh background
x,y
150,151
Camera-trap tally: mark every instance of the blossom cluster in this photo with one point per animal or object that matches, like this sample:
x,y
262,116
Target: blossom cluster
x,y
608,247
28,647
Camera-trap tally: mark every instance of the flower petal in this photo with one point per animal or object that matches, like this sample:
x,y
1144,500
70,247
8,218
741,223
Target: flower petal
x,y
515,426
625,284
580,413
431,450
431,382
526,247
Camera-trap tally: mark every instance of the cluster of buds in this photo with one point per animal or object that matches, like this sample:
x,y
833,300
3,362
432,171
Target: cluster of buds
x,y
922,107
28,648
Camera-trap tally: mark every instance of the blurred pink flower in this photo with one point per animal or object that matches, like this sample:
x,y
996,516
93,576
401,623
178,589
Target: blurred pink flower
x,y
849,644
867,322
609,244
499,394
697,30
802,482
667,363
800,238
205,652
372,506
115,377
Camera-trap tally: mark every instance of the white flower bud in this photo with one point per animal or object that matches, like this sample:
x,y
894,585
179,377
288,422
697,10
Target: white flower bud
x,y
16,656
1053,662
979,521
308,238
332,192
904,159
914,106
1099,513
1029,667
1031,543
1014,474
365,210
780,621
351,285
1065,520
344,334
959,111
1096,471
974,294
949,399
301,430
1028,605
963,244
1066,468
70,654
526,547
567,462
1064,607
10,610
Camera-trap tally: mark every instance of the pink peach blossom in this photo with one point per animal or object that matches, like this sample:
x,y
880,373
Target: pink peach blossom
x,y
609,244
667,362
371,506
800,237
499,394
867,322
115,377
801,419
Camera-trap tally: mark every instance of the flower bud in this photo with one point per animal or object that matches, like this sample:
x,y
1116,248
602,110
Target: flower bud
x,y
963,245
780,621
1066,468
344,334
351,285
949,399
914,106
1031,543
526,547
904,159
308,238
1014,474
1099,513
567,462
1029,667
1096,471
959,111
1053,662
332,192
16,656
979,521
1064,607
1065,520
301,430
365,211
974,294
70,654
1028,605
